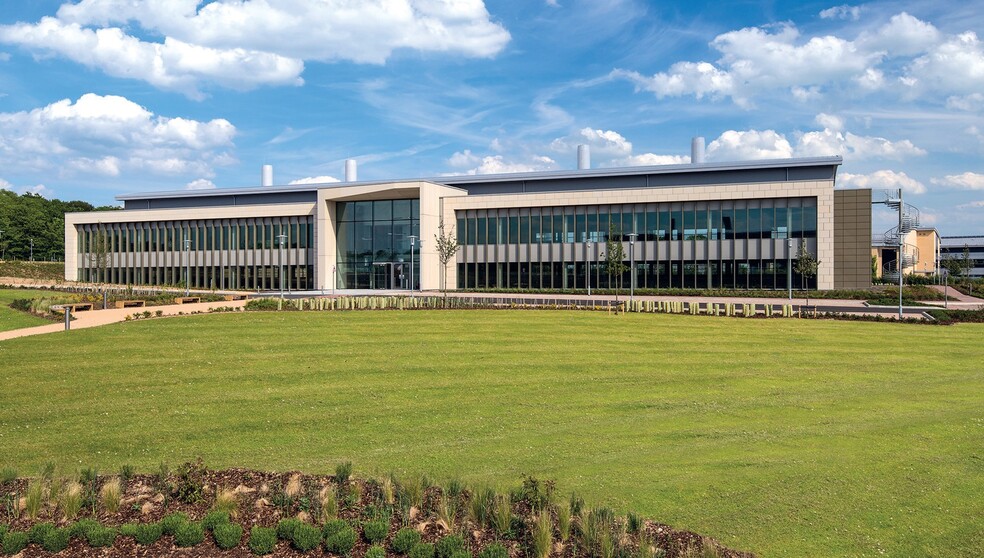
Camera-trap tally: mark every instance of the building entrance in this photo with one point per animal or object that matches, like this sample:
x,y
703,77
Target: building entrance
x,y
389,276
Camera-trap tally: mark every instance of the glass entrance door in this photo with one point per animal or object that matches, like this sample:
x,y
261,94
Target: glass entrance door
x,y
382,275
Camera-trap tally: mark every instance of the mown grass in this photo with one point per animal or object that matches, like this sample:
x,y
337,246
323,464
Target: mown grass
x,y
54,271
783,437
14,319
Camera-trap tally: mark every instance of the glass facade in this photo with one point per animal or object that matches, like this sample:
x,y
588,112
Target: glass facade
x,y
207,254
373,240
715,244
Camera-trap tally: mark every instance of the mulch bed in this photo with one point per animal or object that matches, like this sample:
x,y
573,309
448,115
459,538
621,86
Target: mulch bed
x,y
261,497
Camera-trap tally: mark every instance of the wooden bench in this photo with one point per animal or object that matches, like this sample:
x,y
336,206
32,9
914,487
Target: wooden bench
x,y
130,303
77,307
231,297
187,299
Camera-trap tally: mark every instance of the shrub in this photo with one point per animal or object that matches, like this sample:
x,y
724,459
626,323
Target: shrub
x,y
110,495
286,527
306,537
70,500
172,521
263,304
494,550
80,529
101,536
375,531
128,530
190,485
37,533
422,550
376,551
342,542
56,540
14,542
262,540
449,545
188,534
126,473
404,540
333,526
227,535
148,533
213,519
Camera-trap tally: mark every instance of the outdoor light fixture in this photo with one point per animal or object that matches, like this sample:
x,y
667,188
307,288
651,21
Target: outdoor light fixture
x,y
632,237
413,241
789,266
187,247
587,263
282,238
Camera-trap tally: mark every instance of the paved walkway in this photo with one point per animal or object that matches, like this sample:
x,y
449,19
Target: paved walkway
x,y
94,318
960,300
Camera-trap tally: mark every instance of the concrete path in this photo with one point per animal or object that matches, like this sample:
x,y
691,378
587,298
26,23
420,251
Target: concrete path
x,y
94,318
957,296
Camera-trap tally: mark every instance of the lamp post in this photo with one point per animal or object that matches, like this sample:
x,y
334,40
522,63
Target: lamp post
x,y
32,249
282,238
587,263
2,249
789,266
632,237
334,281
413,242
187,247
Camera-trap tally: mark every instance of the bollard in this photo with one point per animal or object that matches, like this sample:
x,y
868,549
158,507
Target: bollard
x,y
68,318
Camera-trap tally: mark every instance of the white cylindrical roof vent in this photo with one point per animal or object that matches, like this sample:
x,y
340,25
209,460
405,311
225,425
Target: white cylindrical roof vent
x,y
697,150
266,176
583,157
351,172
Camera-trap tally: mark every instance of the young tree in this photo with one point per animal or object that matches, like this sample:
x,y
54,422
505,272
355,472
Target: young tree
x,y
806,265
614,256
99,254
447,247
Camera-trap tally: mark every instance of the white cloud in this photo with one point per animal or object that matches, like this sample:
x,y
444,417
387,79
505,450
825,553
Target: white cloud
x,y
243,44
882,179
649,159
314,180
200,184
749,144
853,147
4,185
903,35
843,11
965,181
553,3
972,205
39,190
970,103
497,164
602,143
109,135
464,159
956,65
830,121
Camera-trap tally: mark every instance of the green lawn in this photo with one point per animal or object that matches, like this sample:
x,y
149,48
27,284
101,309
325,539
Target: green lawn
x,y
13,319
783,437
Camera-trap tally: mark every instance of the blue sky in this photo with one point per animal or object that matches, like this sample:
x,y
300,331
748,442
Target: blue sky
x,y
102,97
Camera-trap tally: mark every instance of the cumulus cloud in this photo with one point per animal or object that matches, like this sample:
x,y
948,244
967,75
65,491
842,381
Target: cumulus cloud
x,y
970,103
903,35
972,205
954,66
498,164
882,179
4,185
246,43
749,144
603,143
853,147
200,184
315,180
464,159
649,159
965,181
735,145
109,135
843,11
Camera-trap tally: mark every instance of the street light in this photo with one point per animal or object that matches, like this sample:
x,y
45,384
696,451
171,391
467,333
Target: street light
x,y
413,241
32,249
587,263
187,247
632,237
789,266
282,238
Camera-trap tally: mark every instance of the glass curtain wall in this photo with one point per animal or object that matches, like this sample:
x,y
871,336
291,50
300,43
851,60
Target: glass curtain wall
x,y
244,254
703,245
374,249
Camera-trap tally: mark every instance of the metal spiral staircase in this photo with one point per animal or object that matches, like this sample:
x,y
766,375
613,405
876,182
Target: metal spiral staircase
x,y
908,254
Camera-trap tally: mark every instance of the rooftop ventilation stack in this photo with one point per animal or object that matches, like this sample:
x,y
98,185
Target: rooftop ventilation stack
x,y
583,157
697,150
266,176
351,172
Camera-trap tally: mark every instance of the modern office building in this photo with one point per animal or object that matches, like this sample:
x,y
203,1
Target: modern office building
x,y
969,250
921,254
704,225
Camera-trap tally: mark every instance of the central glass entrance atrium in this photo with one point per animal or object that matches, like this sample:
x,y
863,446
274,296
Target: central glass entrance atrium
x,y
374,244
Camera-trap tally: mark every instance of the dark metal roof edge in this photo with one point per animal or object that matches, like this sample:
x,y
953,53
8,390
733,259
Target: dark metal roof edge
x,y
452,180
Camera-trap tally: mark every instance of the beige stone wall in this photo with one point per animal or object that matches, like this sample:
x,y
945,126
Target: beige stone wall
x,y
927,241
822,190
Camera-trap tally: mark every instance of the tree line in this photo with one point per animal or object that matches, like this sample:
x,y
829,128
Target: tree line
x,y
33,227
